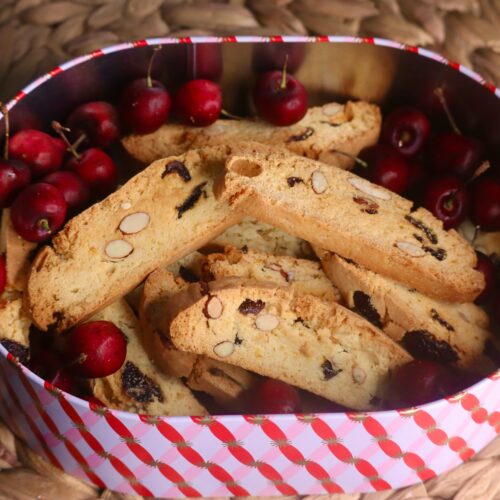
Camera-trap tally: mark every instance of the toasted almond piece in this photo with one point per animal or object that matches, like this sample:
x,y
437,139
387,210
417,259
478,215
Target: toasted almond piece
x,y
214,307
358,375
126,205
332,109
410,248
318,182
134,223
224,349
215,129
368,188
118,249
266,322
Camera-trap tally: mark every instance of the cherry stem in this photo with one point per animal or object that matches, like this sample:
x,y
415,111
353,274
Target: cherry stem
x,y
479,171
79,141
359,161
283,74
439,92
227,114
5,113
59,129
150,65
43,224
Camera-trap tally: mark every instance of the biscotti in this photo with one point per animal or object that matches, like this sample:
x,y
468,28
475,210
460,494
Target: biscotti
x,y
18,253
348,215
305,276
300,339
137,386
444,332
163,213
15,327
252,233
324,129
220,380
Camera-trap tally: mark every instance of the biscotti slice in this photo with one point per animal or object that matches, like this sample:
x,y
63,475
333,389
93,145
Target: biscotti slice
x,y
222,381
188,268
18,253
138,386
346,127
275,331
348,215
305,276
163,213
252,233
427,328
15,327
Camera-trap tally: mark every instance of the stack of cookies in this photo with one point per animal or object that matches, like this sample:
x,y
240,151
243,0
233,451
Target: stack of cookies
x,y
248,250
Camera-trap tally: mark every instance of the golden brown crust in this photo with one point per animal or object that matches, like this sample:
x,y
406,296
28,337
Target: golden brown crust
x,y
300,339
348,128
346,214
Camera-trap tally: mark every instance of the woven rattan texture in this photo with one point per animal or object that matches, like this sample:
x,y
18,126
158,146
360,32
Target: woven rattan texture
x,y
36,35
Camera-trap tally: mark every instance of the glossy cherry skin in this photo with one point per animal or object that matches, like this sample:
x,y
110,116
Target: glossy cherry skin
x,y
144,108
41,152
486,266
95,349
274,396
406,129
97,120
486,203
386,167
419,382
14,176
38,212
447,198
456,154
74,189
198,103
279,105
3,274
97,169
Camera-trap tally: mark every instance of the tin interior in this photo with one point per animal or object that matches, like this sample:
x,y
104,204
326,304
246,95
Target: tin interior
x,y
329,71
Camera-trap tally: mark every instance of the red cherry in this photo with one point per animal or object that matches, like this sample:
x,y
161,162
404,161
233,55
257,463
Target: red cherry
x,y
3,274
407,130
274,396
280,98
198,102
485,265
386,167
48,364
14,176
272,56
40,151
95,349
62,379
97,169
419,382
97,120
73,188
144,105
200,61
38,212
456,154
447,198
486,203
